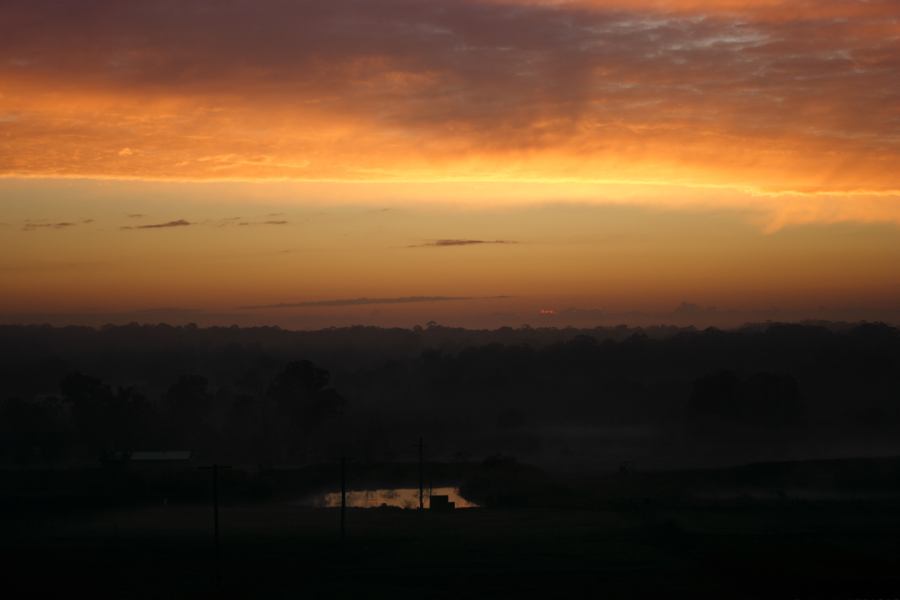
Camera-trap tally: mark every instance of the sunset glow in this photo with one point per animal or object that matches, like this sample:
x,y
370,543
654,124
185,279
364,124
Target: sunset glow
x,y
479,159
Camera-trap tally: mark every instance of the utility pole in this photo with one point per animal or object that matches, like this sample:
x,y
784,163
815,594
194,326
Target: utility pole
x,y
218,547
421,474
343,476
343,497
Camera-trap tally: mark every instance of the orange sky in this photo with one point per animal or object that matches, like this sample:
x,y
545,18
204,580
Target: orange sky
x,y
751,146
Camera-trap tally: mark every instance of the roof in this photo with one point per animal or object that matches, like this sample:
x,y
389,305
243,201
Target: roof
x,y
161,455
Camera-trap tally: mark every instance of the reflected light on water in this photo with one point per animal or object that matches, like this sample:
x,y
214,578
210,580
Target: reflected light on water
x,y
393,497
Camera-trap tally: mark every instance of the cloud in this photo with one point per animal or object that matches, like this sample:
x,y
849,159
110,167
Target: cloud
x,y
370,301
225,222
454,242
241,222
263,223
177,223
43,224
60,225
773,96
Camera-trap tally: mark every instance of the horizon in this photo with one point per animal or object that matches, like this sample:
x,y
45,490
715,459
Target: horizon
x,y
684,316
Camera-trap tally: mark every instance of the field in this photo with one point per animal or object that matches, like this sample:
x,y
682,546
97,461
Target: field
x,y
276,550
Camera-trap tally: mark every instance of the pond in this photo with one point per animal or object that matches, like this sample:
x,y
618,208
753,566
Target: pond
x,y
392,497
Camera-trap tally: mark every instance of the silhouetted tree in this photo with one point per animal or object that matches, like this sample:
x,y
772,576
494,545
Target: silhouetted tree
x,y
302,402
245,432
715,398
32,431
107,421
188,403
762,411
615,393
772,400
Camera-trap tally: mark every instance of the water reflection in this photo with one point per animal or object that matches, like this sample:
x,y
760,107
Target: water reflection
x,y
393,497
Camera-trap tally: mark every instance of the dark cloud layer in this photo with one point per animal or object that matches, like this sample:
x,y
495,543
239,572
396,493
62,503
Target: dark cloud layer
x,y
228,221
737,85
177,223
455,242
60,225
247,223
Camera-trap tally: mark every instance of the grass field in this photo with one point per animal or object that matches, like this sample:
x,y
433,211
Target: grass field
x,y
795,550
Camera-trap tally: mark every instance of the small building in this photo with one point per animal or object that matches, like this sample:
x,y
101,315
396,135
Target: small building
x,y
441,503
161,456
150,458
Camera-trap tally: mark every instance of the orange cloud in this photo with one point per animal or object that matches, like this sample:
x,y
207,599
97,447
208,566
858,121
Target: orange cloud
x,y
771,96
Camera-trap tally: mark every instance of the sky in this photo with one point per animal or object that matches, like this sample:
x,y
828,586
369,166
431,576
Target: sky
x,y
469,162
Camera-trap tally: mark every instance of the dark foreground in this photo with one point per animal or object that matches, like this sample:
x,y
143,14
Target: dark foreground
x,y
779,550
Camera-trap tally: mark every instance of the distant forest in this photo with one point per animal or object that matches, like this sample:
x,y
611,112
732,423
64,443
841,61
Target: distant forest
x,y
567,398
